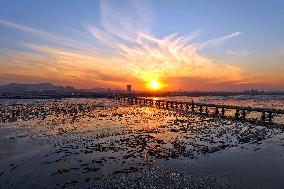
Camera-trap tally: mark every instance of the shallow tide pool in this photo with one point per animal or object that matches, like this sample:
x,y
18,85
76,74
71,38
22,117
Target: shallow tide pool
x,y
102,143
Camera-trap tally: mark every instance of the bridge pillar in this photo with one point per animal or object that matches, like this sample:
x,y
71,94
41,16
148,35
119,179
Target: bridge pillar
x,y
192,106
270,117
217,111
200,108
223,112
237,114
263,117
244,114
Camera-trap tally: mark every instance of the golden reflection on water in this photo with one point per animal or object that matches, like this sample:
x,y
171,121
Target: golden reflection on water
x,y
98,137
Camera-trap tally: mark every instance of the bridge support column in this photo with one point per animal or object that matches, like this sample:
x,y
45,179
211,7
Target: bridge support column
x,y
206,110
263,117
192,107
270,117
237,114
244,114
217,111
200,108
223,112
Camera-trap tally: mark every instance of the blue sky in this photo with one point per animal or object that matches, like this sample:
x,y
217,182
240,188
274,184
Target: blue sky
x,y
243,37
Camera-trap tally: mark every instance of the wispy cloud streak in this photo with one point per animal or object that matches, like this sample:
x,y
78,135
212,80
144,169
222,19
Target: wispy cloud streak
x,y
218,41
136,55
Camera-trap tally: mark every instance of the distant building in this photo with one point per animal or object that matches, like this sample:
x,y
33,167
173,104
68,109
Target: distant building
x,y
128,88
251,92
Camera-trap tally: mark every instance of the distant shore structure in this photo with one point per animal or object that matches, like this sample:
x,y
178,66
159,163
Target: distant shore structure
x,y
128,88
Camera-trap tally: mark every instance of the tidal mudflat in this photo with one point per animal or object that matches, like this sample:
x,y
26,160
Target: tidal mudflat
x,y
102,143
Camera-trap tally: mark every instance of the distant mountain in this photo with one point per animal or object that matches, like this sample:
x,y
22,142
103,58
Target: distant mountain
x,y
14,87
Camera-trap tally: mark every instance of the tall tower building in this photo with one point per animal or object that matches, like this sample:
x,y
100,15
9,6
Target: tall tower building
x,y
128,88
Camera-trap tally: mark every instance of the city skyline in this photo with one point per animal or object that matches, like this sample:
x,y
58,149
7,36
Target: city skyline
x,y
152,45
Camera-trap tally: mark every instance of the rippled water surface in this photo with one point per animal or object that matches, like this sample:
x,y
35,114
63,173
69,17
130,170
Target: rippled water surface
x,y
102,143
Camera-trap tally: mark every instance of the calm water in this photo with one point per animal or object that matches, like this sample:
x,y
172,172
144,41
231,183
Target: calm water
x,y
101,143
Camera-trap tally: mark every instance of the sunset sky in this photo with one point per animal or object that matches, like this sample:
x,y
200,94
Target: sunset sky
x,y
189,45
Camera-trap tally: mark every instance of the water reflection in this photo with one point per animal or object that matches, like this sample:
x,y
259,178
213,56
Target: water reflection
x,y
86,140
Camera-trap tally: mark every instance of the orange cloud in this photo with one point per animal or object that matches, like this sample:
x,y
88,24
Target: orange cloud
x,y
123,51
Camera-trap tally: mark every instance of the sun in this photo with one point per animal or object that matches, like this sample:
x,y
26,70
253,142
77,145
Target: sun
x,y
155,85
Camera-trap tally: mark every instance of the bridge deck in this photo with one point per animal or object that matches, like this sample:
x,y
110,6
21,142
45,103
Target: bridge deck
x,y
241,112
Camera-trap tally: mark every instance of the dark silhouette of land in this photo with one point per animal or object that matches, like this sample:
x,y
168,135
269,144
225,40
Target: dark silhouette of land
x,y
14,87
47,90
